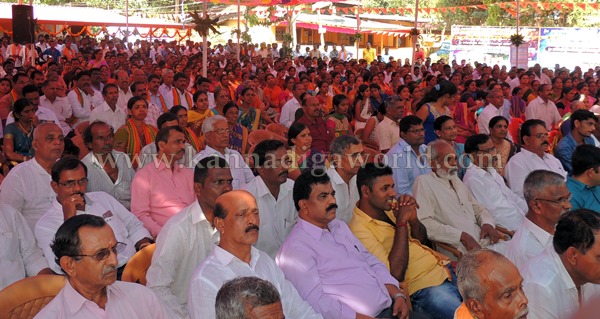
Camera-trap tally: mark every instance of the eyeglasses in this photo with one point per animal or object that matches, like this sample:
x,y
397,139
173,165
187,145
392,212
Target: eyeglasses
x,y
71,184
541,135
492,150
104,253
417,131
559,201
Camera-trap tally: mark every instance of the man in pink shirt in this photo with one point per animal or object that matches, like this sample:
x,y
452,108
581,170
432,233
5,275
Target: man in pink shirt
x,y
163,188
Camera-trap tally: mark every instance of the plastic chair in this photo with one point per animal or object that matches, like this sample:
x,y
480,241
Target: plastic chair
x,y
137,267
26,297
258,136
278,129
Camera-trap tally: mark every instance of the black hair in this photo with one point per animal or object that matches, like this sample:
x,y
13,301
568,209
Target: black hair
x,y
88,138
19,106
197,95
176,108
295,129
441,89
527,125
408,121
178,76
165,117
495,121
304,184
585,157
133,100
108,86
204,165
472,143
164,133
577,229
66,240
261,149
368,173
582,115
439,122
66,164
81,74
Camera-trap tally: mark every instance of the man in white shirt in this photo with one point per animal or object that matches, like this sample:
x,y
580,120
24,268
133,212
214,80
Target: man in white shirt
x,y
533,156
149,153
179,95
288,111
154,94
109,171
109,112
388,130
547,197
83,99
236,217
346,158
187,238
488,187
216,136
69,182
494,108
60,106
20,257
273,191
491,287
167,86
566,277
542,108
43,114
87,250
27,185
447,209
139,89
122,81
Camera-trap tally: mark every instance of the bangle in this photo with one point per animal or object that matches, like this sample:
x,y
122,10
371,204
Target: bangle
x,y
398,295
401,225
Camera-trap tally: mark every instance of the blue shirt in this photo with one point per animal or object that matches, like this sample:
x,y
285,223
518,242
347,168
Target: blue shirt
x,y
406,166
584,196
565,148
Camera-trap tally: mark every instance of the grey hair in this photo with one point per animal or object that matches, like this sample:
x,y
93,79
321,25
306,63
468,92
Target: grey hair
x,y
167,71
341,143
391,100
209,124
239,294
538,180
468,281
433,148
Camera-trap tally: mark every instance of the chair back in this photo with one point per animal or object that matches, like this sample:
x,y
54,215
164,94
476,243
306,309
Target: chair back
x,y
26,297
258,136
278,129
137,266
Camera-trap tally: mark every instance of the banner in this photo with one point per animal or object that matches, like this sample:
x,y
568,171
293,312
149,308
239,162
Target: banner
x,y
569,47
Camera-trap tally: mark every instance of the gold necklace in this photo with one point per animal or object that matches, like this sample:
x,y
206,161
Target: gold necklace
x,y
27,133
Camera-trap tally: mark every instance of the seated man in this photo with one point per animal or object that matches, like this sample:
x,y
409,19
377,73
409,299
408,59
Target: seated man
x,y
391,231
69,182
532,156
565,277
236,217
491,287
346,159
583,184
20,257
163,189
27,186
109,171
313,119
583,123
216,136
250,298
547,199
149,153
447,209
187,238
87,251
407,157
488,187
328,265
273,192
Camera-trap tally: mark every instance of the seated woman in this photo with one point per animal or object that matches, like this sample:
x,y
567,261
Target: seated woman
x,y
238,134
337,120
199,112
498,134
18,136
300,152
182,117
367,135
251,117
135,134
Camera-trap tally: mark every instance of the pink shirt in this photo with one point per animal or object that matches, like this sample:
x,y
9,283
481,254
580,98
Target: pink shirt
x,y
157,193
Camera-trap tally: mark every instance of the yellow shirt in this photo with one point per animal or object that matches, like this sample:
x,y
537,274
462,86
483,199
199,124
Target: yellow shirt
x,y
463,312
425,267
369,55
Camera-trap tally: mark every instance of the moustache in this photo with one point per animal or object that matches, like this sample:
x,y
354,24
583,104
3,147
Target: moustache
x,y
545,143
332,206
251,228
108,269
284,173
523,313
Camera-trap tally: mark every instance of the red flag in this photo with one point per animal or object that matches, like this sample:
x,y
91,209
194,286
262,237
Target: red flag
x,y
593,5
453,9
394,11
463,8
444,10
558,5
569,5
345,10
512,13
501,5
384,10
546,5
481,6
524,5
428,10
581,5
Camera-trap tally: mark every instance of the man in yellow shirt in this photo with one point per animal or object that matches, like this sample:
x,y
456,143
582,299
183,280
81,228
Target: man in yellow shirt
x,y
369,53
391,231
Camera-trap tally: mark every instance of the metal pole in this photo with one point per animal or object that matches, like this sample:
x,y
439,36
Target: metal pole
x,y
205,42
127,20
518,18
239,34
415,38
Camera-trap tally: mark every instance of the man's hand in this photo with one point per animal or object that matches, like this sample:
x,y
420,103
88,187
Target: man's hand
x,y
490,231
71,204
405,210
400,308
88,90
469,242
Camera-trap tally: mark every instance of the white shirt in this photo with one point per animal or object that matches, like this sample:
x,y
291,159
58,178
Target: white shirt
x,y
545,111
149,152
165,90
529,241
221,266
99,181
82,112
183,98
277,216
525,162
488,187
124,300
182,244
127,228
448,211
104,113
483,120
61,108
551,292
288,112
123,99
20,257
388,133
240,171
346,195
27,189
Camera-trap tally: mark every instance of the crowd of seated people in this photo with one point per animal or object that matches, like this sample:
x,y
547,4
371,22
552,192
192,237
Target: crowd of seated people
x,y
308,186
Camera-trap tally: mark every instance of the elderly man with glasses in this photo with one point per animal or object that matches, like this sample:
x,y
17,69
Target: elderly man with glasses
x,y
69,182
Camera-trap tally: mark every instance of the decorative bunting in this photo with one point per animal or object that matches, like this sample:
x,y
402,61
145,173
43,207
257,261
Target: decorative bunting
x,y
593,5
581,5
345,10
545,5
453,9
463,8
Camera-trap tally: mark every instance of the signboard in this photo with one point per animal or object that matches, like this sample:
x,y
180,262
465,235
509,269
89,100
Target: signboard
x,y
569,47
